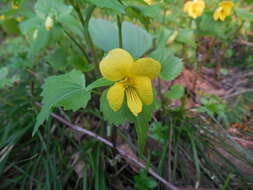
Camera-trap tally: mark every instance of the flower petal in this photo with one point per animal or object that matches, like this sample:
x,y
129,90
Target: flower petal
x,y
133,101
216,14
115,96
116,64
194,8
187,6
227,6
146,67
219,14
143,87
197,9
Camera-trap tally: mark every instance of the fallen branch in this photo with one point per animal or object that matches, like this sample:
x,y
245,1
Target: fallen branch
x,y
108,143
244,42
242,91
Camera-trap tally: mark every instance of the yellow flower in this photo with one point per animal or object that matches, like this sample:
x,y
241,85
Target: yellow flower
x,y
194,8
20,18
150,2
131,77
224,10
14,5
49,23
2,17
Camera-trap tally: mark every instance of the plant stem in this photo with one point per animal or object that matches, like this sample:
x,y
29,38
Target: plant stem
x,y
77,44
114,135
196,73
119,31
87,36
161,96
170,153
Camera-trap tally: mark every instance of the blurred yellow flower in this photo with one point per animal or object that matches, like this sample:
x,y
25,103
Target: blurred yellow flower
x,y
2,17
20,18
49,23
14,5
194,8
132,78
224,10
150,2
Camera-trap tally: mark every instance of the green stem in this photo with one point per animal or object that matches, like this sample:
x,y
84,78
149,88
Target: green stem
x,y
120,31
78,45
87,36
163,103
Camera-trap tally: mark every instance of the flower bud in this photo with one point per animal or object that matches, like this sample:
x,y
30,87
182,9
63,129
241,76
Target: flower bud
x,y
149,2
49,23
173,37
35,34
14,5
20,18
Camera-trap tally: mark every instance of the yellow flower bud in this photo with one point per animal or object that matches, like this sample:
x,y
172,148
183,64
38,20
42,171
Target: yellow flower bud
x,y
149,2
2,17
35,34
20,18
194,8
49,23
14,5
172,38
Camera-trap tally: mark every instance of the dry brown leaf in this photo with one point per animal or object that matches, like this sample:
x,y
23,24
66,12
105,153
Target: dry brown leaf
x,y
78,165
130,153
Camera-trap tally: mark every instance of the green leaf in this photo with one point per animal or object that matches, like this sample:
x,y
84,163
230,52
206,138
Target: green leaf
x,y
244,14
172,66
3,73
31,24
142,125
104,34
159,132
72,24
153,11
3,77
39,43
163,37
116,118
56,8
176,92
58,59
5,80
10,26
134,13
111,4
186,36
208,26
99,83
135,39
79,63
144,182
66,90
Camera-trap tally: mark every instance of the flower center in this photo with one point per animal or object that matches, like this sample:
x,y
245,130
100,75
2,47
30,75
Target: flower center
x,y
128,82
